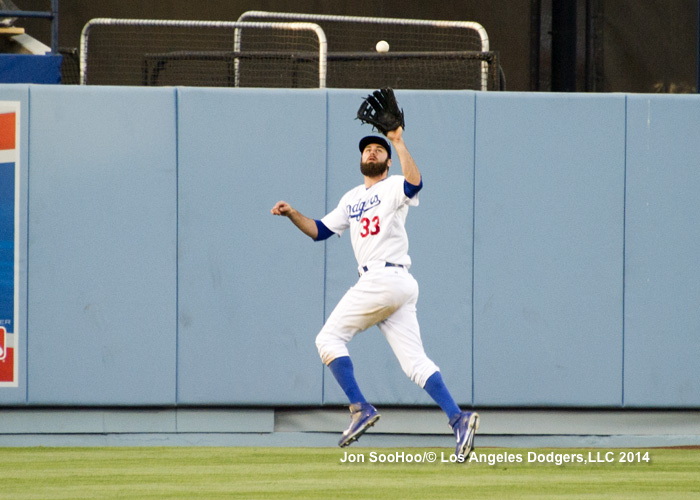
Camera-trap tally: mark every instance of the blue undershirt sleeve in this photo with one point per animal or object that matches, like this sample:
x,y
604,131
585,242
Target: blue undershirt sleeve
x,y
411,189
323,232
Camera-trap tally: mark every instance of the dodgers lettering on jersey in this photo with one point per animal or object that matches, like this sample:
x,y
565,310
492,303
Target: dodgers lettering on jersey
x,y
376,218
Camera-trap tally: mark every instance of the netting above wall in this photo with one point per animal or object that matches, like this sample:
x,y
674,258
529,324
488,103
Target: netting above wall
x,y
267,49
201,53
422,54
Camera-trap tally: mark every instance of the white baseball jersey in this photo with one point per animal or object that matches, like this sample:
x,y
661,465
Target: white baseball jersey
x,y
376,218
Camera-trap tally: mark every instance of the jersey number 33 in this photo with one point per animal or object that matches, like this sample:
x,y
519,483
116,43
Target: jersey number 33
x,y
369,227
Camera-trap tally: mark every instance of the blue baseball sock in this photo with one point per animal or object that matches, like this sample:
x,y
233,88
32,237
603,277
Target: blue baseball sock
x,y
344,373
437,389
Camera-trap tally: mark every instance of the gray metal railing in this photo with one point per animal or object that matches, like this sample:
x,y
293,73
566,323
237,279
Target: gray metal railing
x,y
52,15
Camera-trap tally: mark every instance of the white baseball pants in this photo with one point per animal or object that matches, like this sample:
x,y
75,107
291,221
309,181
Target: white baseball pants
x,y
386,297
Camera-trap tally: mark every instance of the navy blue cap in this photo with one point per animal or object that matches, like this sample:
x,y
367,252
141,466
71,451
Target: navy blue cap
x,y
374,139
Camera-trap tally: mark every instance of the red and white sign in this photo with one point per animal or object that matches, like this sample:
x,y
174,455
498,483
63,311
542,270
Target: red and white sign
x,y
9,242
7,360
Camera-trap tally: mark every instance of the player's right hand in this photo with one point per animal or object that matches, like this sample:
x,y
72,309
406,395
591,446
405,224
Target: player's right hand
x,y
281,208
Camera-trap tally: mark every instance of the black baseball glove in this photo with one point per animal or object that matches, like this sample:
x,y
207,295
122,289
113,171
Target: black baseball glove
x,y
381,110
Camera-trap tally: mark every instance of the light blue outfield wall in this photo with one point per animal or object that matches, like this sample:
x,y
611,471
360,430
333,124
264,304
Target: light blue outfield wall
x,y
250,286
554,244
662,264
548,254
102,257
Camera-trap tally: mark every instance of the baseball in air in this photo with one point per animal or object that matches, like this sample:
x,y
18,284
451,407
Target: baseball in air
x,y
382,46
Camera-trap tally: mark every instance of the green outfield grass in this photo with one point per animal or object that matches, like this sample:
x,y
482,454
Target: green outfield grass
x,y
312,473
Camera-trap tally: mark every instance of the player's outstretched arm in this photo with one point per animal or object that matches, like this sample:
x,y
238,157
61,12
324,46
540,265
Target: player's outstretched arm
x,y
306,225
408,166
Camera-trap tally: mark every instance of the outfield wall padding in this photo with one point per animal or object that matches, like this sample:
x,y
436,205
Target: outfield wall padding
x,y
555,245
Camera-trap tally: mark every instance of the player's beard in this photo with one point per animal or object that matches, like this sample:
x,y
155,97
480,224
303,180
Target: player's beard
x,y
374,168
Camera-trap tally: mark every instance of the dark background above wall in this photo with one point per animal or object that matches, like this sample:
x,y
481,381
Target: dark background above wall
x,y
619,45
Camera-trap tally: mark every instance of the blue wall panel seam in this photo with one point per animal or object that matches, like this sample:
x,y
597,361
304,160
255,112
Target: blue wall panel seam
x,y
177,246
473,242
325,251
26,304
624,250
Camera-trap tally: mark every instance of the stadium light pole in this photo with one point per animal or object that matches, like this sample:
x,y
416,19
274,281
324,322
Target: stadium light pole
x,y
535,33
564,46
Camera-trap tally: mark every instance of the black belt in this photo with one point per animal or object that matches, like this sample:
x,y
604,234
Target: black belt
x,y
386,264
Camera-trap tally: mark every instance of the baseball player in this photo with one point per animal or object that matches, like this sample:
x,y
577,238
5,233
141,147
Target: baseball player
x,y
386,293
